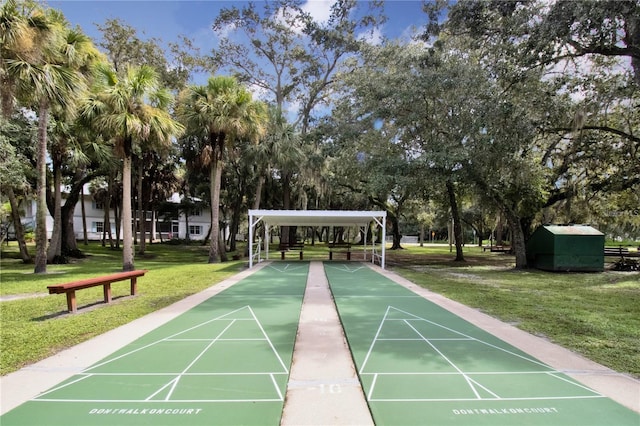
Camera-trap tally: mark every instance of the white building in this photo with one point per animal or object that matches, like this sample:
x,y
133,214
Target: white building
x,y
198,221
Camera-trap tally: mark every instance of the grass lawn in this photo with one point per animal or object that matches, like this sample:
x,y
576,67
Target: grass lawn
x,y
37,327
595,314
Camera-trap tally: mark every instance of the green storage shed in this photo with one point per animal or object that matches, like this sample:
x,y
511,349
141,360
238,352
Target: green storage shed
x,y
566,248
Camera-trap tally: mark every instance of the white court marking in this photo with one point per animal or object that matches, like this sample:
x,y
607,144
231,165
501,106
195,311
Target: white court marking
x,y
173,383
344,268
287,267
472,384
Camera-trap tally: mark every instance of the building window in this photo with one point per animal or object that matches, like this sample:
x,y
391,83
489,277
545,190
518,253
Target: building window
x,y
98,227
98,205
195,230
175,228
196,212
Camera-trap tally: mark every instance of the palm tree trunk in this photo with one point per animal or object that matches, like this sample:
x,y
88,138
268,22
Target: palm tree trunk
x,y
107,213
142,219
127,230
41,196
84,220
117,219
105,223
215,175
258,197
55,244
187,234
17,226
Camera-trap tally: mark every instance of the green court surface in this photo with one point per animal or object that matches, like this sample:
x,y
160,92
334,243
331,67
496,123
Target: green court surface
x,y
223,362
226,361
422,365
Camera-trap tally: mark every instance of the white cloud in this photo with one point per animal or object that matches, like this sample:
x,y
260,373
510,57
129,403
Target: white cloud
x,y
227,30
320,10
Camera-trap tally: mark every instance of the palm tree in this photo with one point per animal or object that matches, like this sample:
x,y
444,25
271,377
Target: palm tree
x,y
220,112
78,53
38,68
133,110
24,37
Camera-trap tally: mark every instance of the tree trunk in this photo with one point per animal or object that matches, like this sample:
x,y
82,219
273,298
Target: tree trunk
x,y
69,243
395,232
17,226
142,219
235,227
258,197
457,226
54,250
84,221
41,196
187,235
223,248
285,235
215,177
113,242
518,244
105,223
127,228
117,220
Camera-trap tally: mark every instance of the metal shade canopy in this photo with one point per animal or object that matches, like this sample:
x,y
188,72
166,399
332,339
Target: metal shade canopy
x,y
315,218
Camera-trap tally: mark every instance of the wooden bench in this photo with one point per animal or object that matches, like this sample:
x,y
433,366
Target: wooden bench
x,y
285,247
497,249
105,281
339,247
621,251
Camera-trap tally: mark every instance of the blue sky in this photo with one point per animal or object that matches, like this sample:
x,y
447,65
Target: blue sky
x,y
165,19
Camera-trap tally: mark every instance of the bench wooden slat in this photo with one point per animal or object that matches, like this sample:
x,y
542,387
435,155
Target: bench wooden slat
x,y
91,282
334,246
105,281
285,247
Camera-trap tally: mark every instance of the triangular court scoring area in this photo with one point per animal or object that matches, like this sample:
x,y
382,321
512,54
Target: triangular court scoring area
x,y
412,358
190,365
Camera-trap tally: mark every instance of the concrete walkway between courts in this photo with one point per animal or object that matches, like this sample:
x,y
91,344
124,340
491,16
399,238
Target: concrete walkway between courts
x,y
323,385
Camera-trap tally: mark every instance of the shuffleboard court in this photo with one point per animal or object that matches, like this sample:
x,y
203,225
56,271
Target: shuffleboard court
x,y
420,364
224,362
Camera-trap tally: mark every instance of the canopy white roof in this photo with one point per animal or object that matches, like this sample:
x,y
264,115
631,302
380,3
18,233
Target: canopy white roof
x,y
316,218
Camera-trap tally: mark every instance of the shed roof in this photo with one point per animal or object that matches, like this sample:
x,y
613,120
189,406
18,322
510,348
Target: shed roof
x,y
572,230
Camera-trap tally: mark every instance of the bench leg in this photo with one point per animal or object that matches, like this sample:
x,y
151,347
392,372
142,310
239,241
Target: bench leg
x,y
300,255
71,301
281,255
330,255
134,285
348,255
107,292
